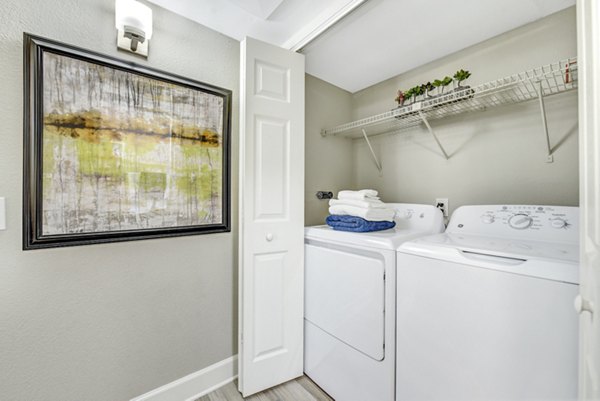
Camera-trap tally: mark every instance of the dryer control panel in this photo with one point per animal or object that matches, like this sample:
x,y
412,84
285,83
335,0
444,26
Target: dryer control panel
x,y
533,222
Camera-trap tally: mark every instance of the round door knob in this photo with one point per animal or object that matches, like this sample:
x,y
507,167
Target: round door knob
x,y
583,305
520,221
269,237
558,223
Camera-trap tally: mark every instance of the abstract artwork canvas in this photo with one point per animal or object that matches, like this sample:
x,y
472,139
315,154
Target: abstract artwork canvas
x,y
116,151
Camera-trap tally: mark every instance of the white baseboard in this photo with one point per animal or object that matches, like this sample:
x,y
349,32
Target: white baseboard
x,y
196,384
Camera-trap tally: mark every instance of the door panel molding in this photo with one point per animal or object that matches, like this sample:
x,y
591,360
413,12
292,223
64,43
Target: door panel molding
x,y
271,238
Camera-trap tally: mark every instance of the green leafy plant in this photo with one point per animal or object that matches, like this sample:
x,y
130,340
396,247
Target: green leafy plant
x,y
427,88
415,91
418,90
442,83
461,75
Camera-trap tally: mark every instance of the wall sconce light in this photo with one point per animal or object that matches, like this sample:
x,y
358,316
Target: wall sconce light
x,y
134,26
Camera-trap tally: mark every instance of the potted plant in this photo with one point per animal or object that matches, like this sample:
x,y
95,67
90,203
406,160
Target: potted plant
x,y
400,98
428,89
409,94
460,76
417,91
441,84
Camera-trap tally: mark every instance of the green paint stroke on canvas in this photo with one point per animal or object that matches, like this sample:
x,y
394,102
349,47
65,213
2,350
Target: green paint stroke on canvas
x,y
122,151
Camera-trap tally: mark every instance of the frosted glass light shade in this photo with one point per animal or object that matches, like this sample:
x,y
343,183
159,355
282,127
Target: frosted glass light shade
x,y
135,14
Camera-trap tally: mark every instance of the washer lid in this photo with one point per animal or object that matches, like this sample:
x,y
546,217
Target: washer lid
x,y
549,260
412,221
387,239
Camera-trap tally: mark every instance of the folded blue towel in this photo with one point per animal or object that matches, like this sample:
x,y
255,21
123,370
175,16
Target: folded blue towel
x,y
356,224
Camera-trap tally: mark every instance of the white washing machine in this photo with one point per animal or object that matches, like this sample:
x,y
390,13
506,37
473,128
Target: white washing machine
x,y
349,317
485,310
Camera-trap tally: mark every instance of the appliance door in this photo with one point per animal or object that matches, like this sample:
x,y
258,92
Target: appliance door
x,y
345,296
467,333
349,325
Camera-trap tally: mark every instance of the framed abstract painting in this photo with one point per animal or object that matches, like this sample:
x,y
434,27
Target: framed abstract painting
x,y
115,151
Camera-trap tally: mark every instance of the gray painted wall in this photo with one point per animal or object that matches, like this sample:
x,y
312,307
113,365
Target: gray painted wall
x,y
110,322
497,156
328,160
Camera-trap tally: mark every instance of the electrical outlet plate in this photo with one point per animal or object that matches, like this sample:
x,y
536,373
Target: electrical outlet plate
x,y
444,205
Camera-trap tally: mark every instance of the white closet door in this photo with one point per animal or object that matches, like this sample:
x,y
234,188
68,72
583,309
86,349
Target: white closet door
x,y
271,239
588,303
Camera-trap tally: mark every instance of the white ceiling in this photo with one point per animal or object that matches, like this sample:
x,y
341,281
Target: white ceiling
x,y
380,39
280,22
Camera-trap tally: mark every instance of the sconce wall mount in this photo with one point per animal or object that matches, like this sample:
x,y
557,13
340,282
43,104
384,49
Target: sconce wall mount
x,y
134,26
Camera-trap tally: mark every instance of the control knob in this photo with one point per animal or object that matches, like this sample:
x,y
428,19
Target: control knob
x,y
488,219
559,223
520,221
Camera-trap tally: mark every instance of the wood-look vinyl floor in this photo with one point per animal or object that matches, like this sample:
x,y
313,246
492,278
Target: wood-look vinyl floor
x,y
300,389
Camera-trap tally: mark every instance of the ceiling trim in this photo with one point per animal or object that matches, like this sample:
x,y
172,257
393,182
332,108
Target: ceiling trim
x,y
319,25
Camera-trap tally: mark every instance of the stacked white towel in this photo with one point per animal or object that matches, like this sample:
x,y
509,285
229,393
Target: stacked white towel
x,y
358,195
364,203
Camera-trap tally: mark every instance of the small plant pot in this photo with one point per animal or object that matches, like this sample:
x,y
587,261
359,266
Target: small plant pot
x,y
461,88
458,86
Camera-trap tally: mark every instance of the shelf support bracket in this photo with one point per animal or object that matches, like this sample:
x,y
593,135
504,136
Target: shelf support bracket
x,y
432,132
375,159
550,156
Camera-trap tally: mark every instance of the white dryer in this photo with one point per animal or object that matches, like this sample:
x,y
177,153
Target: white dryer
x,y
349,318
485,310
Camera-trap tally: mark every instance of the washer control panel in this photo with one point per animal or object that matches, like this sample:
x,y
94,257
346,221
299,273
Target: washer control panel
x,y
533,222
520,221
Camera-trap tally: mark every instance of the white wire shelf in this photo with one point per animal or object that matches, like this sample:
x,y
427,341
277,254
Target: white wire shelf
x,y
537,83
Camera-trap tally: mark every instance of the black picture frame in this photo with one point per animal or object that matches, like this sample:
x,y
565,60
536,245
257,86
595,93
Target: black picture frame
x,y
34,236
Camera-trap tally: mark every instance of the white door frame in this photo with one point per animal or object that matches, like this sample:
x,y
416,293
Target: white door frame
x,y
588,58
